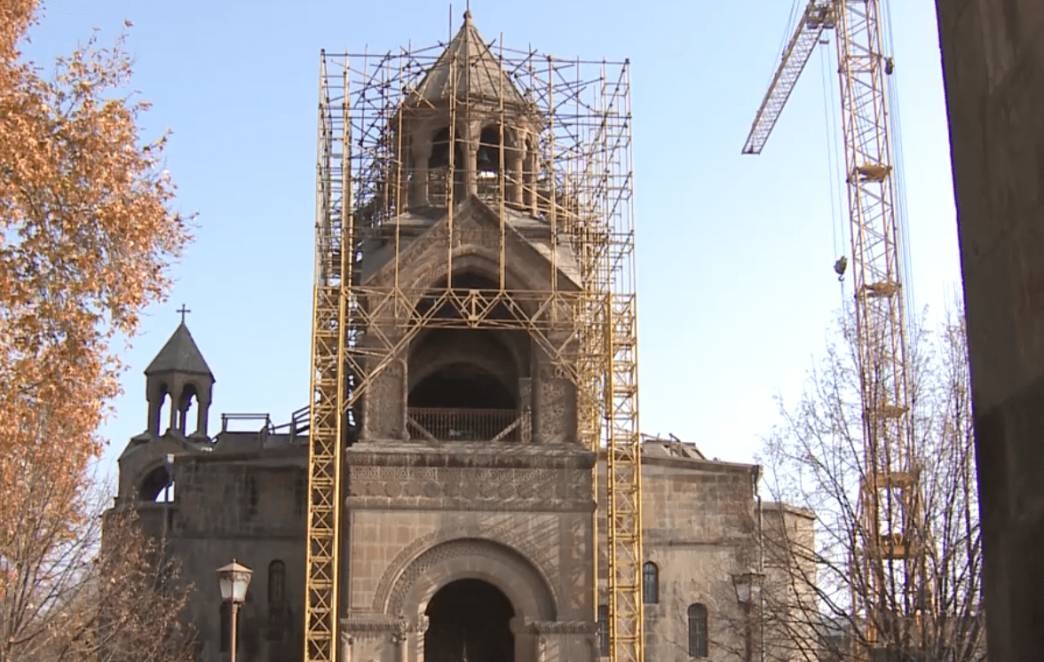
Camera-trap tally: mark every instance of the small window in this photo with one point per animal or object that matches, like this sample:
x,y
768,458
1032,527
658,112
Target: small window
x,y
651,583
697,630
603,630
276,582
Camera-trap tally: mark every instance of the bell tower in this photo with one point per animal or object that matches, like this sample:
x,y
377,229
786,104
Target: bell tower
x,y
180,375
473,348
464,125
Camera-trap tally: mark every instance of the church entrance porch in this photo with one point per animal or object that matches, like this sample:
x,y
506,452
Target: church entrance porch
x,y
469,621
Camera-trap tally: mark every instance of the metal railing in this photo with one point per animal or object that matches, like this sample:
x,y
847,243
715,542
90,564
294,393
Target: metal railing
x,y
437,424
230,420
262,423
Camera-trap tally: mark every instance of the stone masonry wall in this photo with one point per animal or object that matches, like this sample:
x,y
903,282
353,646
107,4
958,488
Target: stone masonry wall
x,y
250,510
698,521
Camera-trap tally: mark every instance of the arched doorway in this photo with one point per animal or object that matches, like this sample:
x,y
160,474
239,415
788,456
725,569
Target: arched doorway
x,y
469,619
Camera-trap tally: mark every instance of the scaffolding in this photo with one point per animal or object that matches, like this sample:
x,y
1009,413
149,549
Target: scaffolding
x,y
557,162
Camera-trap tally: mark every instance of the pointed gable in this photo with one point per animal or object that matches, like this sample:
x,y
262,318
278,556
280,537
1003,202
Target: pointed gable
x,y
477,226
180,354
468,68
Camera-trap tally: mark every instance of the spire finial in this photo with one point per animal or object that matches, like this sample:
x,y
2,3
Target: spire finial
x,y
467,12
183,310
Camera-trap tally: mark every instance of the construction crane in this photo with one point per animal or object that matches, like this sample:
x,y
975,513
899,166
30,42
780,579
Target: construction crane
x,y
889,543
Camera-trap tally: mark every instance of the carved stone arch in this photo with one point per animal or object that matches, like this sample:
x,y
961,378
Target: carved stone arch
x,y
492,133
189,389
495,537
152,479
471,558
434,349
482,261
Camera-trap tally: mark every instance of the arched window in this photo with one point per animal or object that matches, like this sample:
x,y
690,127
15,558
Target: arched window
x,y
488,156
158,485
651,583
697,630
603,630
276,582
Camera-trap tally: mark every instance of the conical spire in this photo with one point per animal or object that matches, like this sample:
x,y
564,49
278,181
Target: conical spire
x,y
180,354
468,68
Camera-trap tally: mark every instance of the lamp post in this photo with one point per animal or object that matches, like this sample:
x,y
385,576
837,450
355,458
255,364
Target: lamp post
x,y
748,592
233,580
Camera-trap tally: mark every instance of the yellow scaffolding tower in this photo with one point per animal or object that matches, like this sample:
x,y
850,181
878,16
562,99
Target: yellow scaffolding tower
x,y
577,181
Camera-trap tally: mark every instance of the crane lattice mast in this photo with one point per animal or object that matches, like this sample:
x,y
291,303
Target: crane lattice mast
x,y
888,547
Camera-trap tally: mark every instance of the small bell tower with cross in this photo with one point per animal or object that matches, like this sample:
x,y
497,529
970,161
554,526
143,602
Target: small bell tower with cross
x,y
179,372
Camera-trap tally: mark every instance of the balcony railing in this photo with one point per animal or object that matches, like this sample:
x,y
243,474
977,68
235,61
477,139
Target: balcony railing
x,y
436,424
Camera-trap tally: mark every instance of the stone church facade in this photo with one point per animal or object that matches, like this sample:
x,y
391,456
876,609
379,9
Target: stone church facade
x,y
465,536
425,518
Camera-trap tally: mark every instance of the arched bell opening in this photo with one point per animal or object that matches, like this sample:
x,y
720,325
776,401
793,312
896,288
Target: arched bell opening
x,y
189,396
158,408
469,385
469,619
463,386
439,176
499,165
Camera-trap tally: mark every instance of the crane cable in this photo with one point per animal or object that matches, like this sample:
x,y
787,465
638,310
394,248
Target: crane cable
x,y
830,124
901,218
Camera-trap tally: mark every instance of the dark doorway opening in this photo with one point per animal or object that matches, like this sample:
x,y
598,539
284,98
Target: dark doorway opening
x,y
469,619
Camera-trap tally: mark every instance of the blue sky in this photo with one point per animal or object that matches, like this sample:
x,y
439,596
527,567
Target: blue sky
x,y
735,253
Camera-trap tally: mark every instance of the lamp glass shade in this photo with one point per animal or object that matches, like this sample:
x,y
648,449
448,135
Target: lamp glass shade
x,y
748,586
234,579
743,588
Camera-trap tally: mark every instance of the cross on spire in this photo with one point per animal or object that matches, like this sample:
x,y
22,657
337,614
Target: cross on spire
x,y
183,310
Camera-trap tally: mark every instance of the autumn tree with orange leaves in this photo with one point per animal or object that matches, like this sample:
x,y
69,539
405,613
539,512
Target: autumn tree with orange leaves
x,y
87,232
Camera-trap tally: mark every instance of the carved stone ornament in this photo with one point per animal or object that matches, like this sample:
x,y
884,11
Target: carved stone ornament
x,y
526,626
375,628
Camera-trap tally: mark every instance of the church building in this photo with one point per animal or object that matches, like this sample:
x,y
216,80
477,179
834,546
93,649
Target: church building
x,y
472,498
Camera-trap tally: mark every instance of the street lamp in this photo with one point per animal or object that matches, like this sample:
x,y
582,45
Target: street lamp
x,y
233,580
748,593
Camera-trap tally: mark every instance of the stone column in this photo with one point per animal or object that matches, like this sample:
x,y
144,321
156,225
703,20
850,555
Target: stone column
x,y
417,633
202,408
400,640
420,155
529,179
513,165
384,405
527,648
345,652
525,408
154,414
183,408
471,164
175,407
